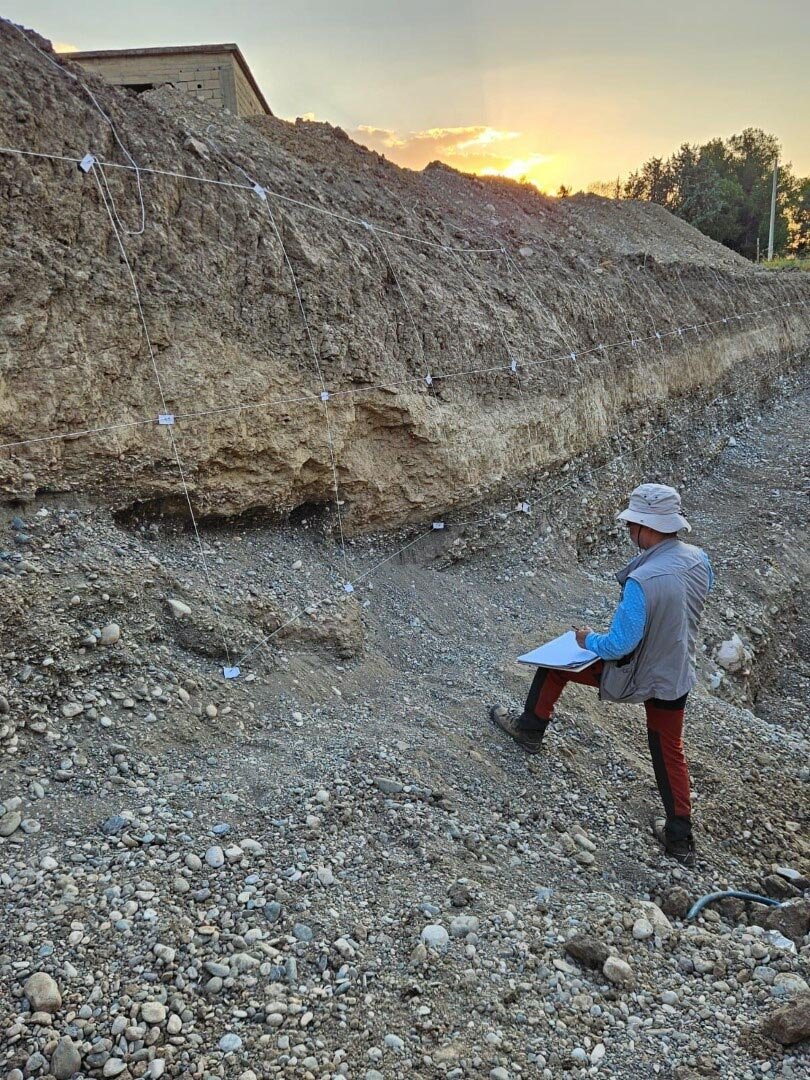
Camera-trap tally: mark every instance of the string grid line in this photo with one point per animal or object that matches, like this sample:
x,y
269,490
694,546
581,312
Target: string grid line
x,y
175,451
324,394
193,415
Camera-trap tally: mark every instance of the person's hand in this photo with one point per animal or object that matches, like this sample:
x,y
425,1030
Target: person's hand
x,y
581,633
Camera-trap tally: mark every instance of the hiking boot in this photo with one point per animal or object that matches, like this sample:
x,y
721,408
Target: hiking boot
x,y
682,850
526,730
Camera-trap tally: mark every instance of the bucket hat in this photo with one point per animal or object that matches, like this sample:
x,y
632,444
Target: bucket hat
x,y
657,506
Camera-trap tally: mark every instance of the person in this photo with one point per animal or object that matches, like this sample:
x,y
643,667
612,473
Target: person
x,y
647,655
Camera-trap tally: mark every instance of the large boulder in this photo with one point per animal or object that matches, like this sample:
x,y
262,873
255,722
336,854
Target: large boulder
x,y
791,1023
42,993
792,920
587,950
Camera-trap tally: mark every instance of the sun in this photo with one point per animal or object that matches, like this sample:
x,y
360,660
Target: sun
x,y
528,170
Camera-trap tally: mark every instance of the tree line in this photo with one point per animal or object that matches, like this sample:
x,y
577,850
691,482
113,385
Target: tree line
x,y
723,188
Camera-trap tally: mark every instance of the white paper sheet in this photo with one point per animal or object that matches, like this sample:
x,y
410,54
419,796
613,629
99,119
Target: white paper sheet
x,y
562,652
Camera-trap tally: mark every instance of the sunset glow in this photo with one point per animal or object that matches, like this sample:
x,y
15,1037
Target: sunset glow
x,y
528,169
477,148
551,94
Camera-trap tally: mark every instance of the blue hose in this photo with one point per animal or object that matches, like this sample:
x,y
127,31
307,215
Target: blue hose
x,y
709,898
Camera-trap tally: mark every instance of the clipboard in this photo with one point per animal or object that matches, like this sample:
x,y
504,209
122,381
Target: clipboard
x,y
562,652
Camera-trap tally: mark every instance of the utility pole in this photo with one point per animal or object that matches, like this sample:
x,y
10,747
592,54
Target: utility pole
x,y
773,209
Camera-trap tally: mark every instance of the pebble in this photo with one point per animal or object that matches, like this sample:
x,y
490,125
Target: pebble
x,y
787,984
10,822
230,1043
221,971
587,950
389,786
272,911
597,1053
42,992
110,634
642,929
435,937
153,1012
178,608
617,971
462,925
66,1059
215,857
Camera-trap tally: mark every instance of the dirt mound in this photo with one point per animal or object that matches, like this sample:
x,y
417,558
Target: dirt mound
x,y
243,373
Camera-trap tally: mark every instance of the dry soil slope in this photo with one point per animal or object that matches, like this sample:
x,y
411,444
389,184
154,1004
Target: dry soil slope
x,y
223,314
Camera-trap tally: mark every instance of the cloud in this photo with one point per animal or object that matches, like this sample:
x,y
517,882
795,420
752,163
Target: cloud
x,y
475,148
449,141
64,47
485,137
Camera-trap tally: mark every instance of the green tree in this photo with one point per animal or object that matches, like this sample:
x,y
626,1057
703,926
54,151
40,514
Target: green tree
x,y
653,182
723,188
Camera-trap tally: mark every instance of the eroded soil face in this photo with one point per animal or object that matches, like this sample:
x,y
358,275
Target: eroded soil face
x,y
610,311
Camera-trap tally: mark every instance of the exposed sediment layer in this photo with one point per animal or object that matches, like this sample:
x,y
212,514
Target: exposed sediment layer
x,y
223,316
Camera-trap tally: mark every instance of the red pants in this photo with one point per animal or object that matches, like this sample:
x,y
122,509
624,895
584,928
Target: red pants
x,y
664,736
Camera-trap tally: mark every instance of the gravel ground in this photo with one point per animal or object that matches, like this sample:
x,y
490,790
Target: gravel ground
x,y
333,866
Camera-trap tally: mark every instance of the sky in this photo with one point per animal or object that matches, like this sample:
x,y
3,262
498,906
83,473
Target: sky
x,y
560,93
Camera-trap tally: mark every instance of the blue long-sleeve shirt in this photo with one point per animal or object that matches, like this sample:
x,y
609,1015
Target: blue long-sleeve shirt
x,y
628,622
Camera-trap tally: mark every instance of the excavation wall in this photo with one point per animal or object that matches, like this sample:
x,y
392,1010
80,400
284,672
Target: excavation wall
x,y
611,310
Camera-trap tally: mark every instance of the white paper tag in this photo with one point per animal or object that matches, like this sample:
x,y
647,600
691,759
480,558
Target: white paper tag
x,y
87,163
348,587
231,672
438,524
324,395
166,419
260,191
